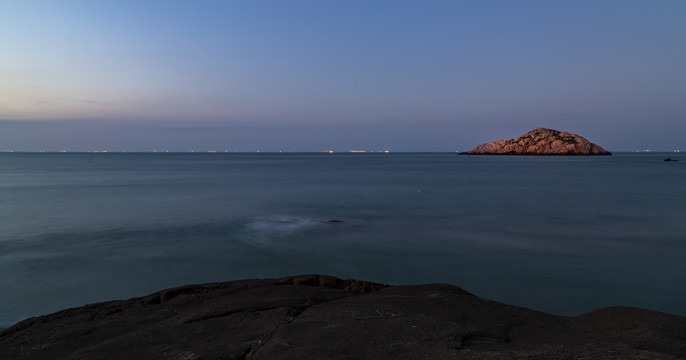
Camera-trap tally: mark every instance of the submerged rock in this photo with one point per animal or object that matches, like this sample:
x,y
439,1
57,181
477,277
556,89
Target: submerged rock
x,y
323,317
541,141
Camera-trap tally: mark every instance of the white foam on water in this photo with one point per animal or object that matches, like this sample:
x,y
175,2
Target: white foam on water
x,y
281,224
266,231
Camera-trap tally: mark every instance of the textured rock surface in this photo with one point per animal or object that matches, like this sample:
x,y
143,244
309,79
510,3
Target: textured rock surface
x,y
541,141
320,317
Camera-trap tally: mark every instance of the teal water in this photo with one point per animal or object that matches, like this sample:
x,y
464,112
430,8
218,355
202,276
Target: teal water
x,y
563,235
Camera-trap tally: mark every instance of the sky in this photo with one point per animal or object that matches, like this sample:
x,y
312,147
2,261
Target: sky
x,y
338,75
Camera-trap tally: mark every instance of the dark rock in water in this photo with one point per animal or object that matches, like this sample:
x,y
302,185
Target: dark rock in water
x,y
334,221
321,317
541,141
670,159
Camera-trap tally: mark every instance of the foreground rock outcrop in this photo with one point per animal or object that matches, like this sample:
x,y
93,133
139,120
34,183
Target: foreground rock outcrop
x,y
541,141
320,317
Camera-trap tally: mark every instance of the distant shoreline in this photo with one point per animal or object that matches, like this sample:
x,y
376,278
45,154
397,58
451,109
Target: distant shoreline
x,y
321,152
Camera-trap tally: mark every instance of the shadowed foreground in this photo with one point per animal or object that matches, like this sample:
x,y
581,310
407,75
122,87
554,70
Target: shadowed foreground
x,y
321,317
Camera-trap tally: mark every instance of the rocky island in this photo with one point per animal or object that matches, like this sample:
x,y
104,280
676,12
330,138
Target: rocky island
x,y
541,141
322,317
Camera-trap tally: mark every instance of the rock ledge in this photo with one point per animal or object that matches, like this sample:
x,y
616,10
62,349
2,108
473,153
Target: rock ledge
x,y
322,317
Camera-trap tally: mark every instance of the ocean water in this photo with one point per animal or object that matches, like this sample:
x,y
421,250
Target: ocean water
x,y
564,235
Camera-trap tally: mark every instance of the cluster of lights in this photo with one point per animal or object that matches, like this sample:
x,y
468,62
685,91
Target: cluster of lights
x,y
359,151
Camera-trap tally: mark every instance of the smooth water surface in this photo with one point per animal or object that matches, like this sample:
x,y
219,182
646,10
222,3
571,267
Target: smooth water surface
x,y
559,234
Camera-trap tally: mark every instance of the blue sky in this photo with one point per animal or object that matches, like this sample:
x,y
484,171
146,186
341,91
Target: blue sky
x,y
318,75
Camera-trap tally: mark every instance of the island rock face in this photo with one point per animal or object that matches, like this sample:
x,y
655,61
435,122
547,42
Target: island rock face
x,y
541,141
322,317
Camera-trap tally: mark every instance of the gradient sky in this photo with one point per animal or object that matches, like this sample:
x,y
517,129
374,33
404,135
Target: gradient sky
x,y
343,75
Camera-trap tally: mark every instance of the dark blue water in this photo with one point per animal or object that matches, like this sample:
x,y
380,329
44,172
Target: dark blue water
x,y
559,234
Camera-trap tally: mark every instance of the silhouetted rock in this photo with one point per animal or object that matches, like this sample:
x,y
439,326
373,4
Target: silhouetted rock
x,y
541,141
322,317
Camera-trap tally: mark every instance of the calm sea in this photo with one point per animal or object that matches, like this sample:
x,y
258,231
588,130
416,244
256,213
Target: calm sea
x,y
563,235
